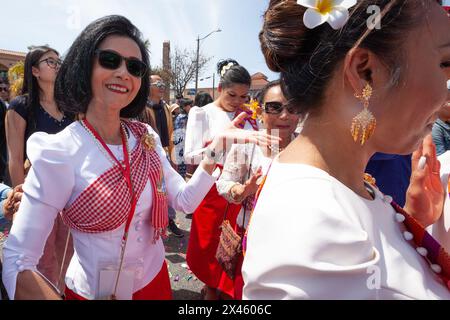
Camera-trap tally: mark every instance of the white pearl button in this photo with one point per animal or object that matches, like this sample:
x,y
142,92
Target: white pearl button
x,y
21,268
422,251
140,239
22,256
138,228
436,268
408,235
400,218
388,199
19,262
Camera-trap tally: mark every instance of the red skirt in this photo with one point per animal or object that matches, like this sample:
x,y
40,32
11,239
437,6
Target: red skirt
x,y
204,237
158,289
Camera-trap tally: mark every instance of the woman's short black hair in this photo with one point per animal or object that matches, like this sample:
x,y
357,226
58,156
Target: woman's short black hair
x,y
202,99
73,91
262,93
232,73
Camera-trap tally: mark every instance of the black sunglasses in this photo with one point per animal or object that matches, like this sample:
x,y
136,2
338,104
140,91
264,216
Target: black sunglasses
x,y
159,84
4,89
109,59
275,107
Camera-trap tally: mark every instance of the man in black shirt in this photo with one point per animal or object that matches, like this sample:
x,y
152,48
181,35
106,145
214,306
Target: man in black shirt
x,y
157,115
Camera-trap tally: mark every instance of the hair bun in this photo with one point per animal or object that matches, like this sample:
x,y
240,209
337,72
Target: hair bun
x,y
224,65
283,33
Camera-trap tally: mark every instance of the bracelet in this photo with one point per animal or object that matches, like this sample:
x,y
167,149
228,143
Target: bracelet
x,y
212,155
233,195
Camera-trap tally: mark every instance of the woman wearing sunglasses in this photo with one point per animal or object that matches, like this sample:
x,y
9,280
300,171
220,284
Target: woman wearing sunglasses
x,y
37,111
246,163
108,176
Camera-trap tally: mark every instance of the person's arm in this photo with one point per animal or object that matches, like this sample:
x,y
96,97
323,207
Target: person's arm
x,y
15,137
187,196
197,134
47,190
232,184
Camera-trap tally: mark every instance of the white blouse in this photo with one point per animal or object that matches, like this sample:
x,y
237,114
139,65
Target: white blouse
x,y
65,164
202,126
311,237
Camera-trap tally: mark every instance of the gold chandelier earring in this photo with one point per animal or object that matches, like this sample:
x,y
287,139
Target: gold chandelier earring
x,y
364,124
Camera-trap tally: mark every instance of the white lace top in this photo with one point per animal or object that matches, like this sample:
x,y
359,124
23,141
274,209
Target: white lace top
x,y
241,163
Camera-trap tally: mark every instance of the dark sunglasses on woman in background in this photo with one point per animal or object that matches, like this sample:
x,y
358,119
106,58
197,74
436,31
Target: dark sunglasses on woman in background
x,y
6,89
159,84
111,60
275,107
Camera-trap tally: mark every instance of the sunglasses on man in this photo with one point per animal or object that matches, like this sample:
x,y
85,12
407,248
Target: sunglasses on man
x,y
159,84
5,89
275,107
112,60
52,63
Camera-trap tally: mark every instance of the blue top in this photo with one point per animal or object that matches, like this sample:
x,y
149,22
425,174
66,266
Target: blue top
x,y
441,136
4,189
43,121
392,174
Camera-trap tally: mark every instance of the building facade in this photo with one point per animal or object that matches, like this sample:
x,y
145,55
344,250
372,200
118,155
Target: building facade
x,y
7,59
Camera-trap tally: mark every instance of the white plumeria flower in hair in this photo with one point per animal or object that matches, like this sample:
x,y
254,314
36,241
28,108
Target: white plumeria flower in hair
x,y
335,12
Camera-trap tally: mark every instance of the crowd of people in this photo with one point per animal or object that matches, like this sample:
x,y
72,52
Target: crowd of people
x,y
95,163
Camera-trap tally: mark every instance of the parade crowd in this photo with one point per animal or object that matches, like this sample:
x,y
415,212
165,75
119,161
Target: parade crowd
x,y
331,182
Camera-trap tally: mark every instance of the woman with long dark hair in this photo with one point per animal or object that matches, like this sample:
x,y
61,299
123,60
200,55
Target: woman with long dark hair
x,y
37,111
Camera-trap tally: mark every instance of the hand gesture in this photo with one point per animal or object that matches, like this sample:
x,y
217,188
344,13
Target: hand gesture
x,y
233,134
12,202
425,195
251,185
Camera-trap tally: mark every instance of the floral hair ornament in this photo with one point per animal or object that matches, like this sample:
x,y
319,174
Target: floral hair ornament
x,y
335,12
226,68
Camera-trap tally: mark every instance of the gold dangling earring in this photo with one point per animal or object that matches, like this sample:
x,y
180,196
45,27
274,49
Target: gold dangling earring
x,y
364,124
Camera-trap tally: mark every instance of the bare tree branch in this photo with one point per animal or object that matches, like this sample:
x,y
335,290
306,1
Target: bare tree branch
x,y
183,67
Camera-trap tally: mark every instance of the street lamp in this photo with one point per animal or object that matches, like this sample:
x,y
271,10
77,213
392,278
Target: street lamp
x,y
214,84
198,53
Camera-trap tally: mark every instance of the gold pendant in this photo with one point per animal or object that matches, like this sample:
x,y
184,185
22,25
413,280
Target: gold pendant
x,y
148,140
363,126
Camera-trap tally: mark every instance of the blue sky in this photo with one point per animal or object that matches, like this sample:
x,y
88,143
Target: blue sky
x,y
58,22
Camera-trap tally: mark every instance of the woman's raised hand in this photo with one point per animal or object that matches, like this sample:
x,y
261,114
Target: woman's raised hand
x,y
234,134
425,195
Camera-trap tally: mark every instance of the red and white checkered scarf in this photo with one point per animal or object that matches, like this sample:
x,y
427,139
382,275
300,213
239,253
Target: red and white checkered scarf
x,y
105,204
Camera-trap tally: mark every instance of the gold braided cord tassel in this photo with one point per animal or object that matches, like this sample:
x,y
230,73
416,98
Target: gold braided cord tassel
x,y
363,126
